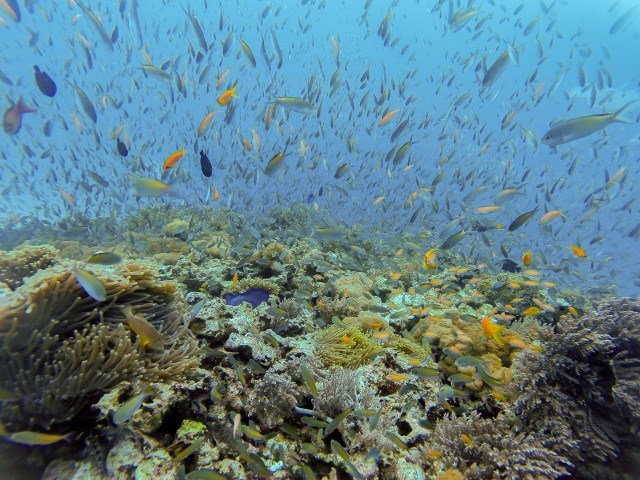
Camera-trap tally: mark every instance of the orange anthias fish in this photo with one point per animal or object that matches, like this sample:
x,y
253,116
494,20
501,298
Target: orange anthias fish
x,y
227,95
172,159
578,251
526,259
492,330
13,117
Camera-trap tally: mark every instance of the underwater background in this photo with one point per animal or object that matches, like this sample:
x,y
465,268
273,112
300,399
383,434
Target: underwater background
x,y
320,239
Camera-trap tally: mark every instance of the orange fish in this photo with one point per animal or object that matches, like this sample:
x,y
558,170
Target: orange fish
x,y
13,117
492,330
172,159
387,118
226,96
216,195
526,259
578,251
348,340
552,215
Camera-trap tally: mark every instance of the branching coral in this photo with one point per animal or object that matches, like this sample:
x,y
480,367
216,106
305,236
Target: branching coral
x,y
493,450
582,391
58,346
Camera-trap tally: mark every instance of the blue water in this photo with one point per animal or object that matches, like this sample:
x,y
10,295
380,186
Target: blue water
x,y
423,73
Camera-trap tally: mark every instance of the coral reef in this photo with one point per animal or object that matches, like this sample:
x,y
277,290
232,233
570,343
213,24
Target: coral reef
x,y
581,392
349,361
490,449
21,263
60,348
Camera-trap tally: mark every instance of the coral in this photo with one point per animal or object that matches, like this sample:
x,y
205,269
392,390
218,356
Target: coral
x,y
271,255
252,283
177,228
21,263
493,450
342,389
582,390
357,289
504,286
344,347
329,307
273,399
59,347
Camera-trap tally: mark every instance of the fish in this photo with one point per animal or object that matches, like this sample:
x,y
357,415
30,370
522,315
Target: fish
x,y
130,407
12,121
146,332
294,104
274,164
387,118
578,251
45,84
197,29
122,148
188,450
12,9
492,330
91,285
308,380
150,188
227,95
551,215
248,53
526,259
205,123
453,240
97,25
429,261
37,438
204,474
205,164
86,104
566,131
496,69
521,220
172,159
105,258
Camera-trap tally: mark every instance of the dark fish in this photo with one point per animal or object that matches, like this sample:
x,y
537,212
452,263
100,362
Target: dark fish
x,y
521,220
12,120
509,265
122,148
205,164
46,85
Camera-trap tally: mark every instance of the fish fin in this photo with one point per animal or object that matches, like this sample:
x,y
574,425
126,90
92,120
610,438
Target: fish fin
x,y
22,108
616,116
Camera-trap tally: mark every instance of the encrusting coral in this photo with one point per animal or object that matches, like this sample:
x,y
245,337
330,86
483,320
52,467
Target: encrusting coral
x,y
59,347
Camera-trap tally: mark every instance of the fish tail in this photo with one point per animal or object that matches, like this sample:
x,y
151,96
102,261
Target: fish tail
x,y
616,116
22,108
